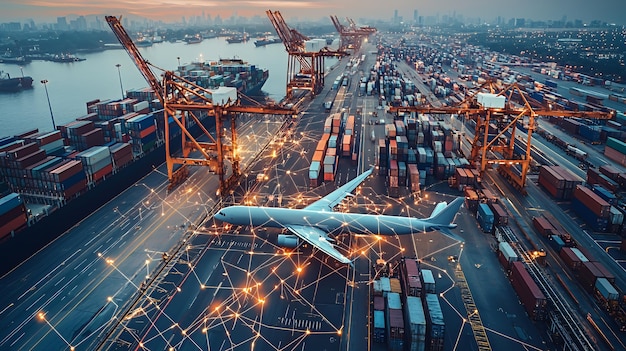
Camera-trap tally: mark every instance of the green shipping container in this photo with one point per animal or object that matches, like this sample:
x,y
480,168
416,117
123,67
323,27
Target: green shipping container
x,y
616,144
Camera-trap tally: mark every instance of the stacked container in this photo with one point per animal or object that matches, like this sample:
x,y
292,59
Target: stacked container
x,y
121,155
558,182
415,324
13,214
436,327
411,277
395,322
590,207
414,178
142,131
96,163
616,150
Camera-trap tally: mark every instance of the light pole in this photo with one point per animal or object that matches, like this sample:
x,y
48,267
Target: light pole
x,y
178,58
45,86
119,74
22,70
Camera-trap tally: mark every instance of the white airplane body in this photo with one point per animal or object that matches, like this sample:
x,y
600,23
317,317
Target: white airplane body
x,y
313,223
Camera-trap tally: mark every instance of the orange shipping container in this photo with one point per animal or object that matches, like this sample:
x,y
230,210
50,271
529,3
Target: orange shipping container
x,y
318,156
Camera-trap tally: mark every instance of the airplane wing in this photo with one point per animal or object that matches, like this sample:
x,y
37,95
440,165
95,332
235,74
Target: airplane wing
x,y
317,238
328,202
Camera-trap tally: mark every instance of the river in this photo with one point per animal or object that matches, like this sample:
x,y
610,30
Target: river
x,y
71,85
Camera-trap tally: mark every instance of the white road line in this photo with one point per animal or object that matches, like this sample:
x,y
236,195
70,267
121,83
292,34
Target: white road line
x,y
81,262
60,280
18,339
33,287
92,239
32,304
6,308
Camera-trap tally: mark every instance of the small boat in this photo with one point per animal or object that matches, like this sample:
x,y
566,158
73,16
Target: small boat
x,y
14,84
65,58
267,41
194,39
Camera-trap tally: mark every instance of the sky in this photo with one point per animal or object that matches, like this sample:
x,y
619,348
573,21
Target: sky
x,y
611,11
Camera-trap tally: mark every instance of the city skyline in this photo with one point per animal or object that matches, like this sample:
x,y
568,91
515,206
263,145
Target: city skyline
x,y
174,10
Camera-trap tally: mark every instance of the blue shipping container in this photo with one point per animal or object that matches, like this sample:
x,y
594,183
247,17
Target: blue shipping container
x,y
604,193
556,243
485,217
10,202
596,223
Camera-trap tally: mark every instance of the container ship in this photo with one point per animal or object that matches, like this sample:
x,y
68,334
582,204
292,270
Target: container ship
x,y
66,174
14,84
234,72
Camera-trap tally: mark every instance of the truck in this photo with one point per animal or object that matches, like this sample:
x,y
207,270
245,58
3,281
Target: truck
x,y
328,104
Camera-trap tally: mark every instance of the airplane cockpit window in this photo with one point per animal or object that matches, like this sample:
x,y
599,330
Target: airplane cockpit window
x,y
222,214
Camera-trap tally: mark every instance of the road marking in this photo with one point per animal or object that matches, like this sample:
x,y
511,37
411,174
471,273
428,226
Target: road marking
x,y
6,308
60,280
16,340
32,304
92,239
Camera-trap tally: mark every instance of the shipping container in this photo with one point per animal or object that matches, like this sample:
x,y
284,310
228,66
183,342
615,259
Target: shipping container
x,y
379,326
592,201
428,281
436,327
543,226
530,295
506,255
572,257
606,289
556,243
415,324
379,303
395,330
588,274
485,217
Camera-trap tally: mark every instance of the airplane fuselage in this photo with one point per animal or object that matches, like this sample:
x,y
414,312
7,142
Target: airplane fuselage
x,y
328,221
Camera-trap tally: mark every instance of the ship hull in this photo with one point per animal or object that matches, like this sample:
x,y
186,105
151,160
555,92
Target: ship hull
x,y
16,84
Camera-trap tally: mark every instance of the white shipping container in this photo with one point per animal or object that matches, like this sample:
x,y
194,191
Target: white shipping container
x,y
94,155
222,95
141,105
507,252
488,100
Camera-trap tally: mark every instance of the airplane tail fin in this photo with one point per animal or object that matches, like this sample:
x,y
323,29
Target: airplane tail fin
x,y
444,215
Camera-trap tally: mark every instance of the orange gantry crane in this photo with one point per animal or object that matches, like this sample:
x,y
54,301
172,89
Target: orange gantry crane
x,y
352,36
184,102
491,106
305,69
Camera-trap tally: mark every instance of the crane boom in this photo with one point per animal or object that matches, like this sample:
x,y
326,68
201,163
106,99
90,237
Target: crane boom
x,y
134,53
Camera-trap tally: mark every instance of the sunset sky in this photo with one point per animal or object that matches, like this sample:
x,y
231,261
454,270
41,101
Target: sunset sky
x,y
172,10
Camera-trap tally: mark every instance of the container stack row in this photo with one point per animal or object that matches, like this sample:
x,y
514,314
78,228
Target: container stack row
x,y
591,208
416,305
558,181
325,159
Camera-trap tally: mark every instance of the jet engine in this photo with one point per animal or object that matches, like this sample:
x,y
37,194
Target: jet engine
x,y
288,241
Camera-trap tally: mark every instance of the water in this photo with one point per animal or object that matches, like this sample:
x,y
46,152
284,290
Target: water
x,y
71,85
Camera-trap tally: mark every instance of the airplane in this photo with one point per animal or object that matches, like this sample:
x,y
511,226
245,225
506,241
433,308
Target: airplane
x,y
313,223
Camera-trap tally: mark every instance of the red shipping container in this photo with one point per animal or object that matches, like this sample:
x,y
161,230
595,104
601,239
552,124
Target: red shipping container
x,y
543,226
11,146
30,159
530,295
605,273
144,133
609,171
106,170
74,189
12,213
412,270
22,151
592,201
329,177
14,224
588,274
615,155
571,259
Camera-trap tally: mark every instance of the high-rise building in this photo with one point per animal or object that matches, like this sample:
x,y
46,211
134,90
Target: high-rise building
x,y
62,23
415,16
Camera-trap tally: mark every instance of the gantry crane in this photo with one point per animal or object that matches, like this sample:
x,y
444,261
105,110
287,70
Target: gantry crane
x,y
488,147
352,36
305,69
182,101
